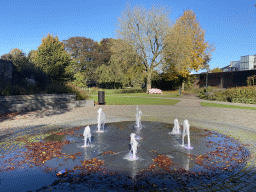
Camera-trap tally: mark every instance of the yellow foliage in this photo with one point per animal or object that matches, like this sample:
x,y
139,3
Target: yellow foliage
x,y
186,47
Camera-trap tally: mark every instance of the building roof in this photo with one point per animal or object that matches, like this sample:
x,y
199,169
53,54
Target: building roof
x,y
228,66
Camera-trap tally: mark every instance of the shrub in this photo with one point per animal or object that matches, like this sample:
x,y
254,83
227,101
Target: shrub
x,y
206,93
189,82
250,80
58,88
94,90
235,95
221,96
132,90
13,90
80,94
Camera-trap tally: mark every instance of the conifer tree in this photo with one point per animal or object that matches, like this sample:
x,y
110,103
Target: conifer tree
x,y
52,58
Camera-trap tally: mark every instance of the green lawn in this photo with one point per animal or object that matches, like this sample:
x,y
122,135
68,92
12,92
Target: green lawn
x,y
225,106
117,100
165,94
112,92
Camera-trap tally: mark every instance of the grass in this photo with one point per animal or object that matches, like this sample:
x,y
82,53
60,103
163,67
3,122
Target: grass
x,y
117,100
166,94
226,106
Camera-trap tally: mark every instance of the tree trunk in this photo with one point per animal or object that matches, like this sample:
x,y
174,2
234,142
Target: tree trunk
x,y
148,82
183,85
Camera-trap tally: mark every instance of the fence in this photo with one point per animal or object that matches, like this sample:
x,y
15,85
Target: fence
x,y
224,79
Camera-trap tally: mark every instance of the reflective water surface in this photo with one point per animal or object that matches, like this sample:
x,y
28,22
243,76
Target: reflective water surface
x,y
161,161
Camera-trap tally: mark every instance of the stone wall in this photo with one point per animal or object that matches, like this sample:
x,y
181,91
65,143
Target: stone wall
x,y
19,103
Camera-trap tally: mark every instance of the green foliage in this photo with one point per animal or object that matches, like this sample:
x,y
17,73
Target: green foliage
x,y
117,100
80,79
80,94
221,96
130,90
23,70
206,93
51,88
58,88
21,84
32,56
94,90
242,94
189,82
226,106
18,58
136,75
216,70
87,55
112,74
52,58
234,95
250,80
12,90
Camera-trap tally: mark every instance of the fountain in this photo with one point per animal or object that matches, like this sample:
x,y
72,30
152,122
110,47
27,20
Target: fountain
x,y
101,120
132,137
87,136
138,118
160,155
186,132
134,149
176,128
131,156
134,145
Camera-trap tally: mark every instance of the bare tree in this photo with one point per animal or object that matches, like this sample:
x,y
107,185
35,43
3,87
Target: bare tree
x,y
145,30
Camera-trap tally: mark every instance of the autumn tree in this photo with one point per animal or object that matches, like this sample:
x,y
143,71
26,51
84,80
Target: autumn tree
x,y
18,58
186,49
87,56
104,50
116,71
145,31
32,56
52,58
112,75
6,57
216,70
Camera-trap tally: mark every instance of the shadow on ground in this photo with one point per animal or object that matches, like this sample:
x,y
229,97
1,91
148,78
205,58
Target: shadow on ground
x,y
32,114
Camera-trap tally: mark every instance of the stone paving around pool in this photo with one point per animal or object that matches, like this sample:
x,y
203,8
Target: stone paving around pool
x,y
238,123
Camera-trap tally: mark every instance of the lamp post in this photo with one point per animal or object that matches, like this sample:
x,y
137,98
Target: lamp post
x,y
206,77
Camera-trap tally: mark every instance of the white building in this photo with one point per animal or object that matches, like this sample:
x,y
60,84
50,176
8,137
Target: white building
x,y
247,62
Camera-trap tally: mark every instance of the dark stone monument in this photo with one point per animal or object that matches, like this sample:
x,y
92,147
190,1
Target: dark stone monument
x,y
6,70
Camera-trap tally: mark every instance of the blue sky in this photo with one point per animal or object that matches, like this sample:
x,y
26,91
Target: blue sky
x,y
230,24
